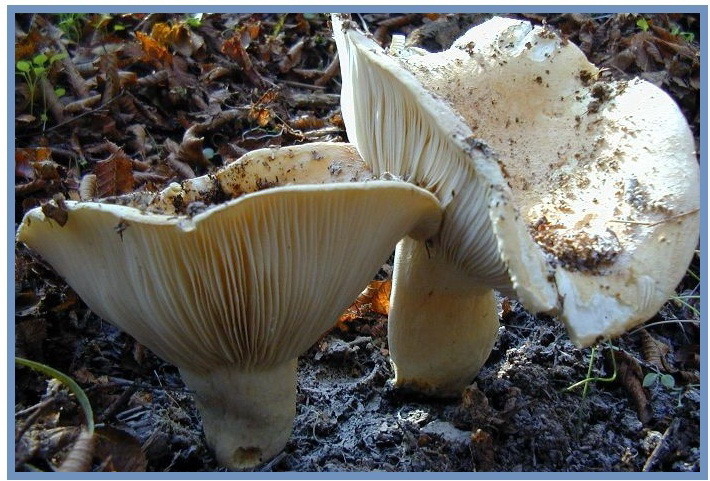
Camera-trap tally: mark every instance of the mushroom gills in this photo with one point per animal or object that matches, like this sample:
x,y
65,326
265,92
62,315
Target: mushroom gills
x,y
234,293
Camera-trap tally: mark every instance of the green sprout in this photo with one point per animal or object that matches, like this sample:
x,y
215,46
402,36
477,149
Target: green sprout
x,y
70,24
68,382
194,20
678,32
585,382
32,71
643,24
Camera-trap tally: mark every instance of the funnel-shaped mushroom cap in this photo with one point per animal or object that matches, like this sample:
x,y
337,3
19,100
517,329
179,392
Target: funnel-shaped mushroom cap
x,y
248,283
590,189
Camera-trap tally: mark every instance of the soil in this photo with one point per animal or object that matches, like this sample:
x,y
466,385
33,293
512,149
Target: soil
x,y
527,410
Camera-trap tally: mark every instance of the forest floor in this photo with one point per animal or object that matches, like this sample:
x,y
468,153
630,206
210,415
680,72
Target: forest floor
x,y
114,95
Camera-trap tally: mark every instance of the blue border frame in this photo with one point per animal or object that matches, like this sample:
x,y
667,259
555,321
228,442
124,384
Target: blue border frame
x,y
702,10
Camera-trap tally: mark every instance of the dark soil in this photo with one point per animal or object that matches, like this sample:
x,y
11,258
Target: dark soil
x,y
517,415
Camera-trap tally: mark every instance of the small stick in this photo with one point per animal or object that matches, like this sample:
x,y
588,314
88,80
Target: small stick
x,y
651,224
661,448
40,408
118,403
74,119
270,465
302,85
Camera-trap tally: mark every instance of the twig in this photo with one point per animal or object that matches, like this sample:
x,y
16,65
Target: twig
x,y
118,403
670,321
302,85
40,408
126,382
661,448
651,224
270,465
88,112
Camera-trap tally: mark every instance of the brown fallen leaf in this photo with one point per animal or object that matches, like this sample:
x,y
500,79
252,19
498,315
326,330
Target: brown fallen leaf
x,y
292,57
260,115
119,451
483,450
88,187
28,45
108,64
307,122
178,36
56,209
235,50
630,375
655,351
114,176
26,160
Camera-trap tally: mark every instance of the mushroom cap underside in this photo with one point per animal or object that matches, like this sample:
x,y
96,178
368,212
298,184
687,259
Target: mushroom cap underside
x,y
593,179
252,281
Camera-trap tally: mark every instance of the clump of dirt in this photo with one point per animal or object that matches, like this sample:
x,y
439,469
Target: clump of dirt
x,y
576,250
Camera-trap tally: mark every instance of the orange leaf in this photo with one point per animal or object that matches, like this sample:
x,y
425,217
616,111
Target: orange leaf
x,y
381,298
153,50
28,46
169,35
26,158
375,298
261,115
253,29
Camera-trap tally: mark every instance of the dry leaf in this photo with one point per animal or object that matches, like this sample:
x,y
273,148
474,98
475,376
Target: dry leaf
x,y
654,351
114,176
178,36
375,298
292,57
153,51
253,29
483,450
260,115
270,96
26,160
56,210
166,34
234,49
630,375
28,46
84,376
307,122
119,451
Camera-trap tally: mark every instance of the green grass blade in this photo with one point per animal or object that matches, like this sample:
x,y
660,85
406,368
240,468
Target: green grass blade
x,y
68,382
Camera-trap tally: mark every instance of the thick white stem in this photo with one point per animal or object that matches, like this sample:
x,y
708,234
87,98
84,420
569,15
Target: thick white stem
x,y
442,326
247,415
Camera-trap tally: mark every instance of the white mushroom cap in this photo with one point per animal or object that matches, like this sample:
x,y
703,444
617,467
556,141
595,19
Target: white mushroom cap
x,y
242,287
590,188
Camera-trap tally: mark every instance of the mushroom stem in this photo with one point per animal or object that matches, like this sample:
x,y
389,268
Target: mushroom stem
x,y
247,416
435,346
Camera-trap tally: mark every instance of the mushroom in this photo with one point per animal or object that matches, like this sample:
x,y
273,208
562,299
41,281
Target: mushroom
x,y
576,194
231,283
